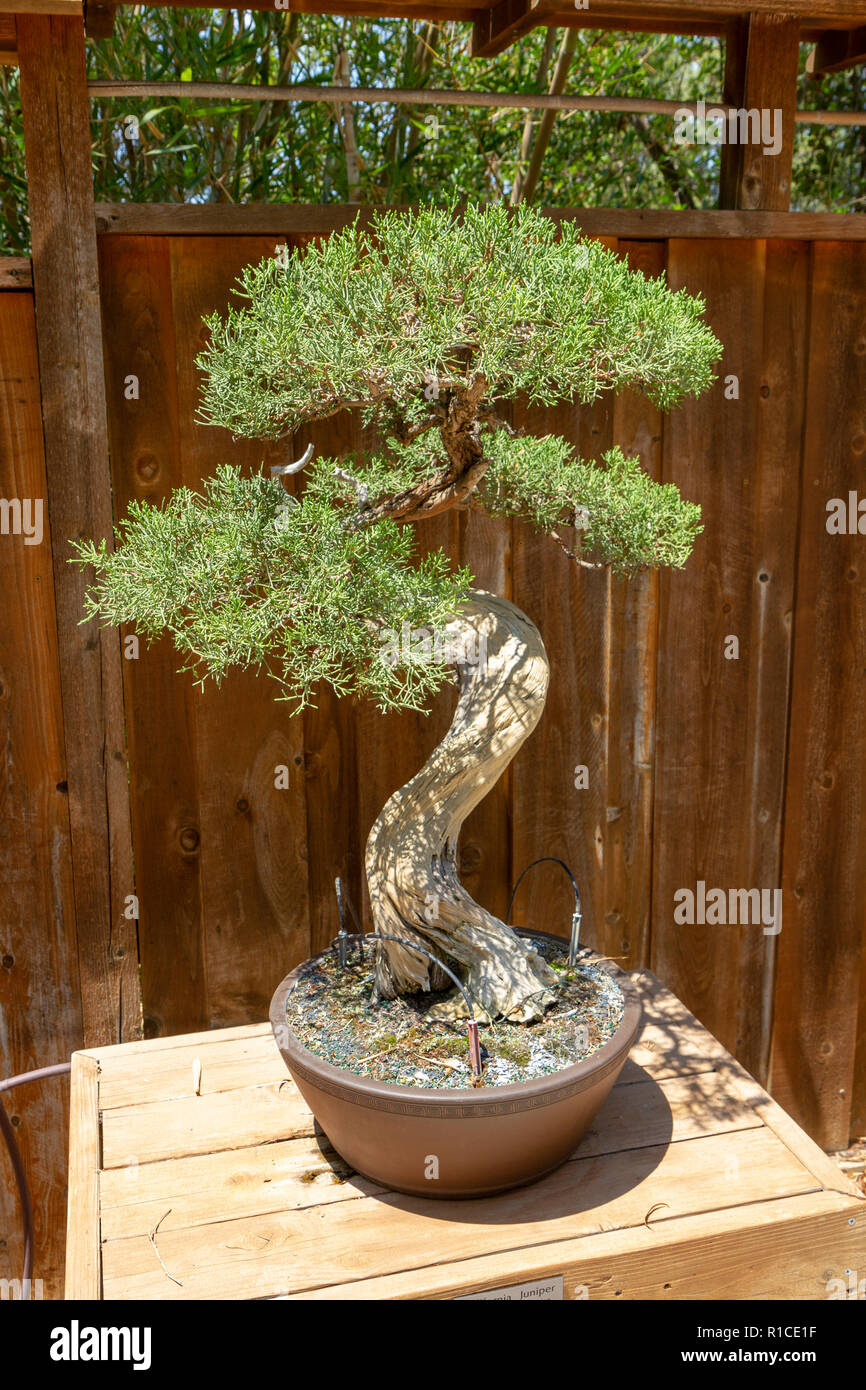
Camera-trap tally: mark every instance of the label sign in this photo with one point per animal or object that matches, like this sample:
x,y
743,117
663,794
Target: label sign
x,y
539,1291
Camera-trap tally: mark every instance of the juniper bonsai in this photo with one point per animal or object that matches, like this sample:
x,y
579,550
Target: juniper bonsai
x,y
428,322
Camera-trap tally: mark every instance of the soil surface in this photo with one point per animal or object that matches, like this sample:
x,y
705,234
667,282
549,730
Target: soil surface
x,y
332,1013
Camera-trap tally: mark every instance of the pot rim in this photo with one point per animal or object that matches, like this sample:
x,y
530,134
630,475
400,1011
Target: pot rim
x,y
576,1076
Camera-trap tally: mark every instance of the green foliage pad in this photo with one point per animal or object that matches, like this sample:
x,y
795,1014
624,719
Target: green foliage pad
x,y
428,322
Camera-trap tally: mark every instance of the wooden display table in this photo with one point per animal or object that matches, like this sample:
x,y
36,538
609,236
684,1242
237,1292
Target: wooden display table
x,y
691,1184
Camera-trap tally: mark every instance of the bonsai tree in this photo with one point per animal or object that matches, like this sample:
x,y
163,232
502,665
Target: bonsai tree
x,y
428,322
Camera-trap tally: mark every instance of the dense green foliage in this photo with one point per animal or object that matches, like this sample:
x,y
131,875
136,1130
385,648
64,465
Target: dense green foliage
x,y
245,576
429,320
625,519
502,296
196,150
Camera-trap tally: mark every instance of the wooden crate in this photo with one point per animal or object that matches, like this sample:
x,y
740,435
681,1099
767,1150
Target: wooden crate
x,y
692,1184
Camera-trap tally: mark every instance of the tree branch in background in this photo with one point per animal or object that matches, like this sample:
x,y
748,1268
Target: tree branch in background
x,y
417,64
529,122
661,157
346,122
545,125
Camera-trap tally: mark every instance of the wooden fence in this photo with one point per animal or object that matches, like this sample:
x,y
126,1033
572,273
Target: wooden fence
x,y
737,764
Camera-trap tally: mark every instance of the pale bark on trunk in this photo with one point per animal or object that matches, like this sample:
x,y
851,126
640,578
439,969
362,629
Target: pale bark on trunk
x,y
411,858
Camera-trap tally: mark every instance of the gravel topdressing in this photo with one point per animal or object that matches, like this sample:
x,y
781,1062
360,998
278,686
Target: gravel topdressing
x,y
331,1013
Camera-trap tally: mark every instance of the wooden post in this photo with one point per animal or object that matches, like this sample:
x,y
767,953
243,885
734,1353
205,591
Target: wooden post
x,y
760,77
57,145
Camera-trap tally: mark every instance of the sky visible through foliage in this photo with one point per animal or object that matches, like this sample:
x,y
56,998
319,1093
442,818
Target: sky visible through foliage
x,y
204,151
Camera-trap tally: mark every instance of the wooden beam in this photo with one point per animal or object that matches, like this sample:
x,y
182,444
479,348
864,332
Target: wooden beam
x,y
66,286
8,43
99,19
837,50
70,8
15,273
113,88
495,29
761,64
310,219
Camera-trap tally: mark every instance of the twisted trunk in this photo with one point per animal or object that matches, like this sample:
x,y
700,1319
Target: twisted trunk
x,y
411,856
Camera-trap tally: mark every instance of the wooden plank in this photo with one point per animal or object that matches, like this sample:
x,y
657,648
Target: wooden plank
x,y
330,762
667,1013
69,8
83,1265
41,1012
836,51
857,1123
168,1075
287,1175
685,12
207,1038
552,815
251,835
414,9
720,751
824,888
496,28
290,1251
238,1119
770,1250
15,273
761,67
284,219
290,1174
838,10
8,39
99,20
141,390
624,930
57,148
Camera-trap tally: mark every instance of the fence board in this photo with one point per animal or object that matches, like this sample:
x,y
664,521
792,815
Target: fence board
x,y
251,835
551,815
66,280
632,657
40,1002
330,766
824,850
721,725
146,465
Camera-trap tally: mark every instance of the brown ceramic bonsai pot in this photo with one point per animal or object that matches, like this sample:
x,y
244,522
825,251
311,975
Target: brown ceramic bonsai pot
x,y
484,1140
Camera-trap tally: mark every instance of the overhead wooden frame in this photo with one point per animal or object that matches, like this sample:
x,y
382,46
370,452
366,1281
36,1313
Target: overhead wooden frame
x,y
500,24
837,50
832,24
8,45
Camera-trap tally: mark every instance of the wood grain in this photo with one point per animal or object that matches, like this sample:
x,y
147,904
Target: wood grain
x,y
624,931
285,219
83,1262
141,390
251,835
721,727
378,1235
40,1005
65,273
818,984
695,1185
761,66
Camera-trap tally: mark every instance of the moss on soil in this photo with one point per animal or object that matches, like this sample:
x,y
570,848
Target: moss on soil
x,y
332,1013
